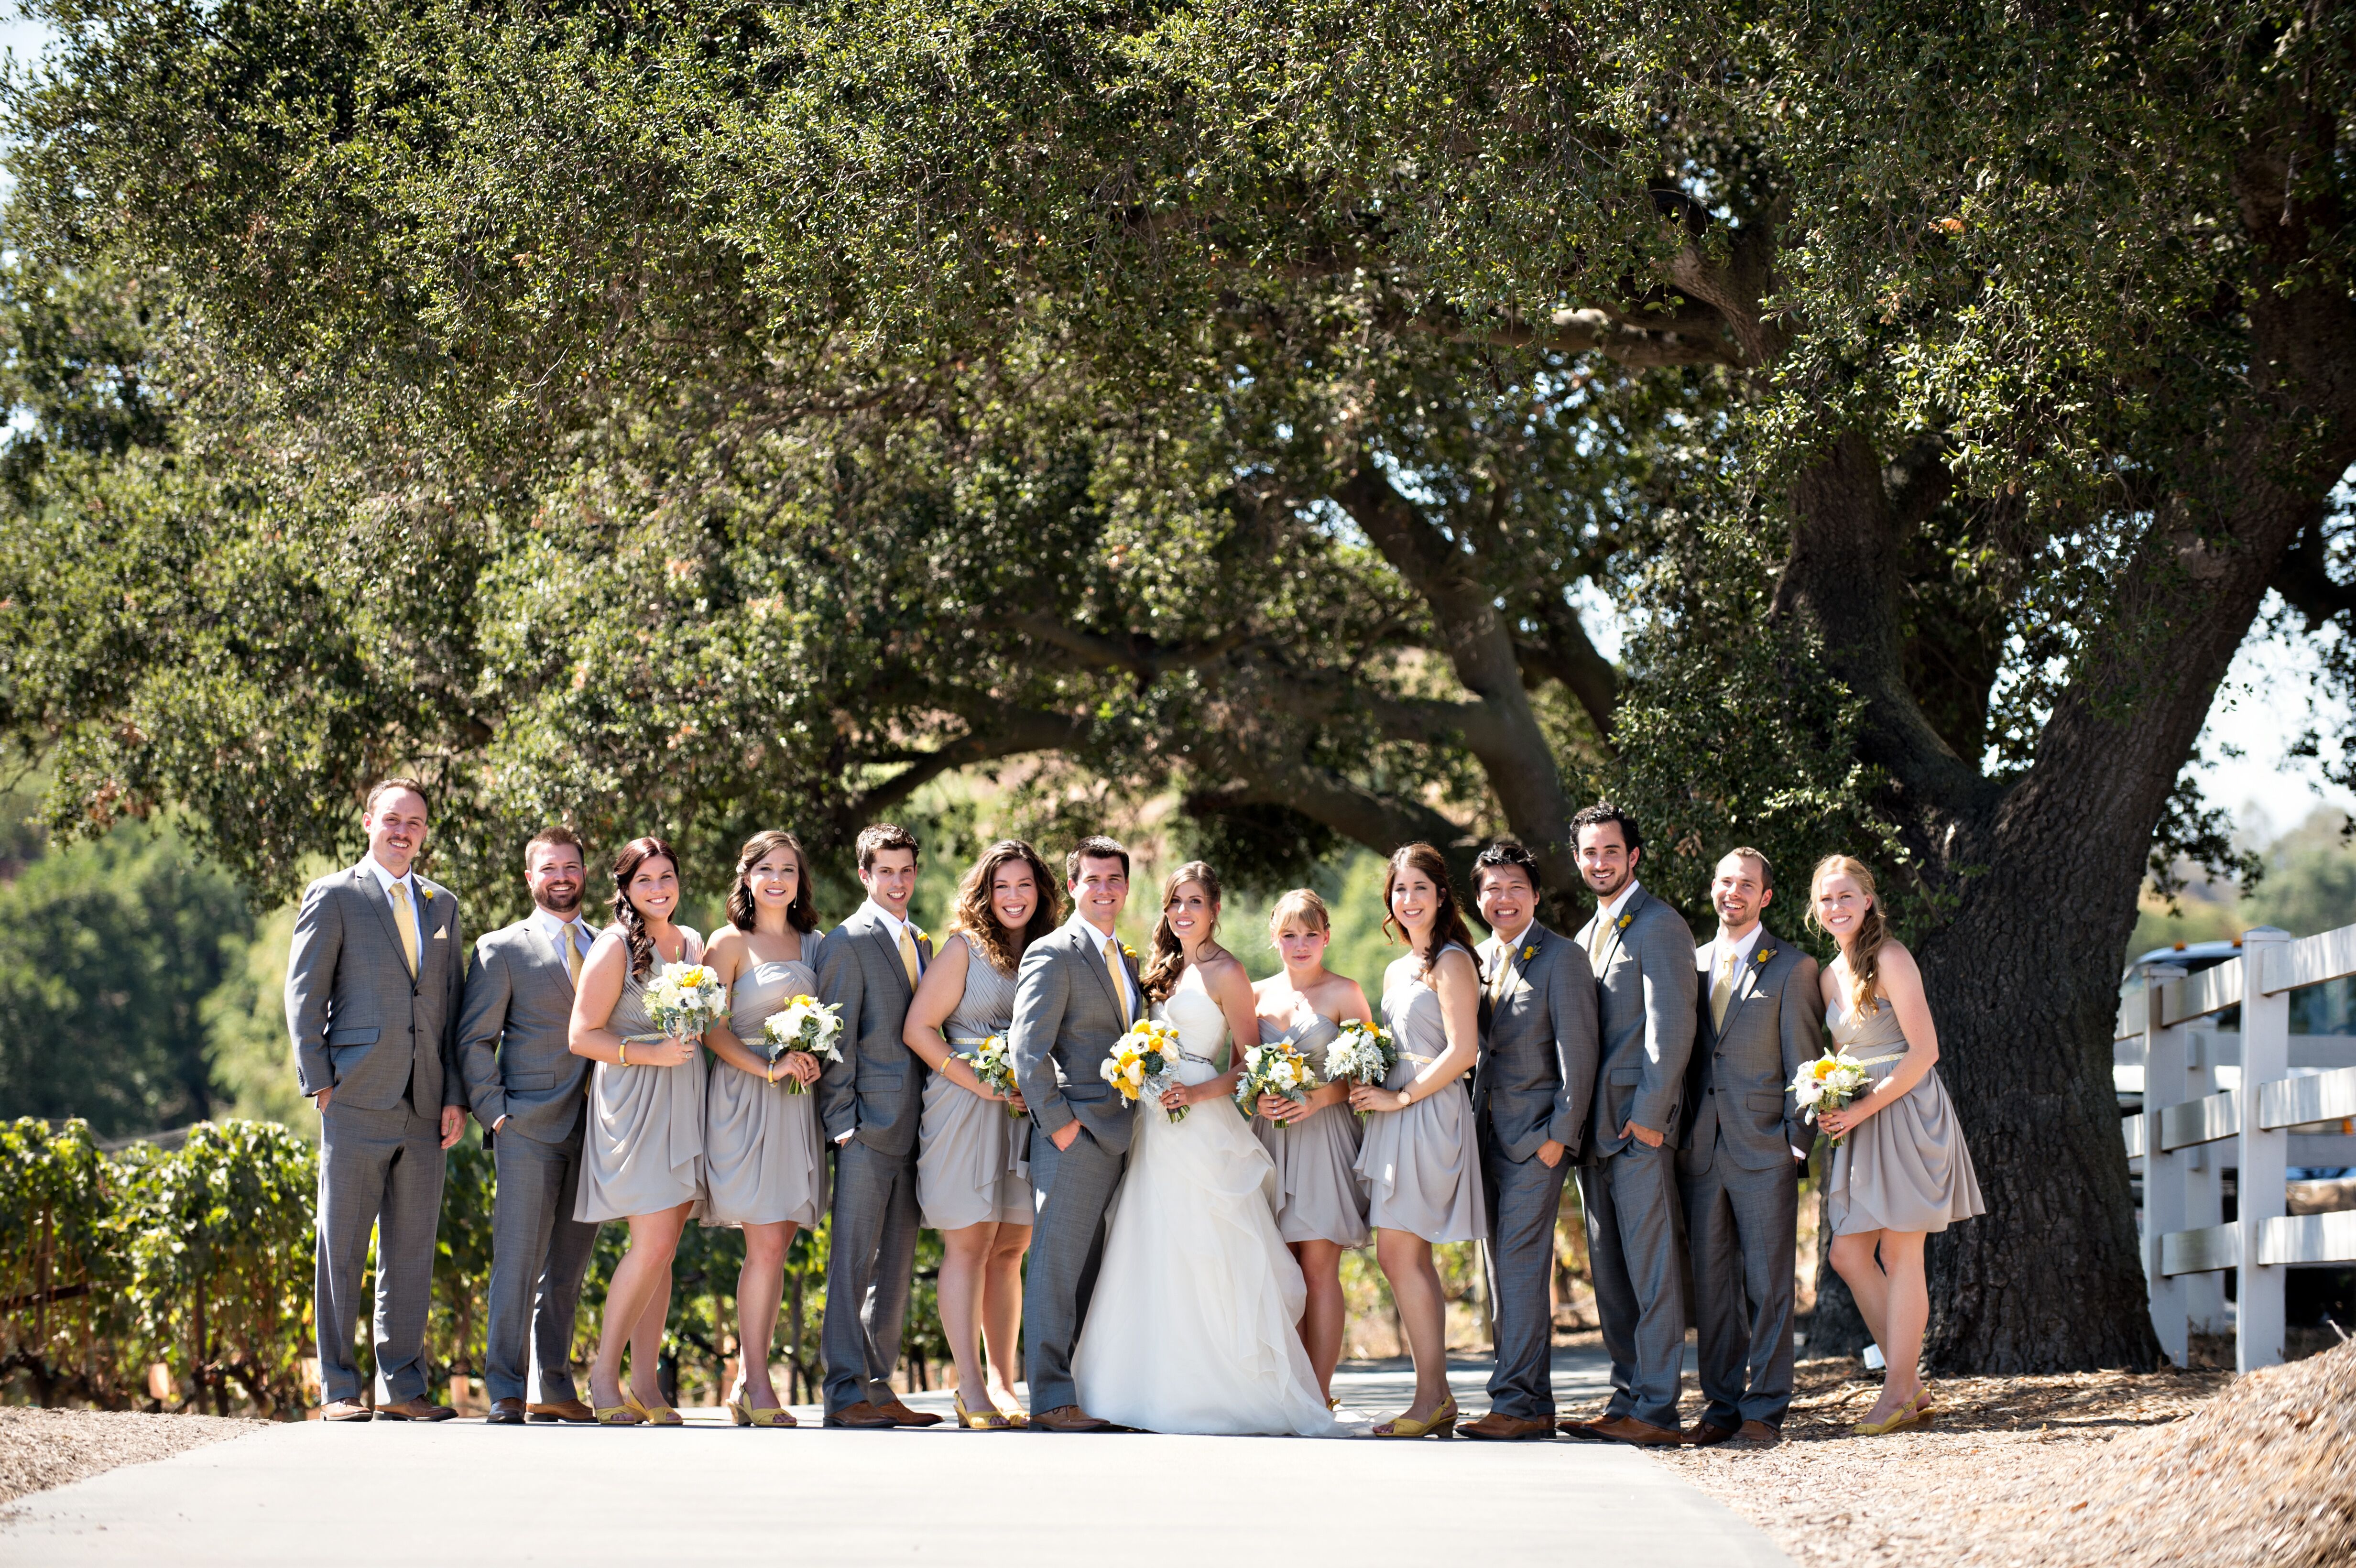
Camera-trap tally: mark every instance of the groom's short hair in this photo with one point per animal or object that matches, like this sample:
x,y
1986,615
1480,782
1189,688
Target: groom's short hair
x,y
1094,846
878,837
1507,855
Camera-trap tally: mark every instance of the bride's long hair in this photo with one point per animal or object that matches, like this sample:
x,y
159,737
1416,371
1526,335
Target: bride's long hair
x,y
1168,959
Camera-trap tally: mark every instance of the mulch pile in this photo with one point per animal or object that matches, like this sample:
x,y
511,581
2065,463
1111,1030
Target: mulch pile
x,y
45,1449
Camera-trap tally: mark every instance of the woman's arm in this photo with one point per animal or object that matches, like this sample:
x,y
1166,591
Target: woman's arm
x,y
937,997
599,990
1458,984
1901,983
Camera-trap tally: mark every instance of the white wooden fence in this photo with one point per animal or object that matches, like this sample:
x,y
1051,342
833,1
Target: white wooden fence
x,y
2285,1100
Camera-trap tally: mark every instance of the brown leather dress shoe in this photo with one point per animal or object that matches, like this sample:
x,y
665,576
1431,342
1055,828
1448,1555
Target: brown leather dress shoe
x,y
902,1417
1638,1434
346,1410
1067,1418
1758,1434
1498,1427
1584,1430
505,1413
570,1409
861,1417
414,1410
1705,1434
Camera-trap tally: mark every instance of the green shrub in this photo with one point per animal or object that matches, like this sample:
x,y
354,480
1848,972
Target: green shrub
x,y
63,1331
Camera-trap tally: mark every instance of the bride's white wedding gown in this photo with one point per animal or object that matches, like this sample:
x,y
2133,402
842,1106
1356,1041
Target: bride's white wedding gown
x,y
1194,1323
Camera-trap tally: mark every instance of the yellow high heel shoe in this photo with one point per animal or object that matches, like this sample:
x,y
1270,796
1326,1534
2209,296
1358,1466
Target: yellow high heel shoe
x,y
1441,1424
1912,1413
655,1415
989,1418
616,1415
742,1412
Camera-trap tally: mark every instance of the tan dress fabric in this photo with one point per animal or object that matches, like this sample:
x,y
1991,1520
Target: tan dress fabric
x,y
1421,1167
764,1160
643,1152
1319,1197
1905,1167
973,1159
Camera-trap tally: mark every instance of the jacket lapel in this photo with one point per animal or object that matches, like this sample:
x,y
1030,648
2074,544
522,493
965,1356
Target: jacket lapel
x,y
891,951
552,949
373,891
1746,985
1611,943
1085,942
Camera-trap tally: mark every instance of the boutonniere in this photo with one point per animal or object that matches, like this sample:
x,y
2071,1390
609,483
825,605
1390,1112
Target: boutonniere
x,y
1127,951
426,892
1529,953
1624,921
919,933
1761,958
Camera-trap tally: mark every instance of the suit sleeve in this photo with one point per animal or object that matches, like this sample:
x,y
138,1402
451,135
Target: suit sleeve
x,y
841,984
311,982
454,1083
1669,986
1043,988
1577,1043
481,1022
1802,1032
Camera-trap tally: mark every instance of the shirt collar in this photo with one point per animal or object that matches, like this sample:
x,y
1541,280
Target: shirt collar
x,y
1742,946
892,923
1520,938
384,879
1610,911
554,927
1094,938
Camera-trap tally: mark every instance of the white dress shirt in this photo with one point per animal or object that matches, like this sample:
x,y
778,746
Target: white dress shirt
x,y
1610,911
408,881
559,930
893,926
1742,947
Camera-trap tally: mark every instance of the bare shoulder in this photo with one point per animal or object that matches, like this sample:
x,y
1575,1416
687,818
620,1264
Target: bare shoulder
x,y
1893,962
728,949
1222,970
1455,964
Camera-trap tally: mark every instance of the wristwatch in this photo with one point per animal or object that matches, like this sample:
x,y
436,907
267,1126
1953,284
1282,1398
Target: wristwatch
x,y
1407,1098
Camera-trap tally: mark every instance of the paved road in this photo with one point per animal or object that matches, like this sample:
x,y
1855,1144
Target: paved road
x,y
310,1494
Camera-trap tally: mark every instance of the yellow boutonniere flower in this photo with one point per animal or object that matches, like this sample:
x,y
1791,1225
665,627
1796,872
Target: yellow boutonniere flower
x,y
426,892
1763,955
1529,953
1127,951
920,934
1625,920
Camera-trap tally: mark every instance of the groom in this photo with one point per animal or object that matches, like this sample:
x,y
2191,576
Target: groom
x,y
1076,995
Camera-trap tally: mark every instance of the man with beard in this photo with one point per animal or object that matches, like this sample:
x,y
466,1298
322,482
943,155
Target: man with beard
x,y
525,1085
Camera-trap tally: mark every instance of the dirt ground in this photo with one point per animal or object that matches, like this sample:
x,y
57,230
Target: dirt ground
x,y
44,1448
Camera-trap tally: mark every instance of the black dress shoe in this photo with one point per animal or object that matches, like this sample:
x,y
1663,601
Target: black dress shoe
x,y
505,1413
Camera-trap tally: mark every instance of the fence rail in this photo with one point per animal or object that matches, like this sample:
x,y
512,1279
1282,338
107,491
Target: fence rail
x,y
2192,1128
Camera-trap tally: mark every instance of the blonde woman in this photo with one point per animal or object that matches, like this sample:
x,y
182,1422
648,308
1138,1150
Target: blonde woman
x,y
1901,1168
1421,1168
763,1161
1321,1205
973,1170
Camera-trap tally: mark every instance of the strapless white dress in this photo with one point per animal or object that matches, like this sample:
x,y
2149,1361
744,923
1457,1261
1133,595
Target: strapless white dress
x,y
1193,1326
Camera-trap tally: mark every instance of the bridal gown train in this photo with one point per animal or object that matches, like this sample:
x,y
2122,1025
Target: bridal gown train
x,y
1194,1323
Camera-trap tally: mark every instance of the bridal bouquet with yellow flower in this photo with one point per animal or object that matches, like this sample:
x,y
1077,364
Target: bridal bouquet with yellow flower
x,y
993,1063
1277,1068
1144,1062
804,1023
1829,1082
685,999
1361,1053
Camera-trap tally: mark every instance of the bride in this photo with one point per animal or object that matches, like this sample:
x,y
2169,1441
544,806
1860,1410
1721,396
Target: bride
x,y
1195,1322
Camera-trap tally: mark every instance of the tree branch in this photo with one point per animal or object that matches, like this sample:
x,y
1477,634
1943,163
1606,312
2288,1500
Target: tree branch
x,y
1008,734
2303,577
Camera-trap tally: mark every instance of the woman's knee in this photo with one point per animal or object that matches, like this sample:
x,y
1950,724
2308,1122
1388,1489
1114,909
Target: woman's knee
x,y
1853,1256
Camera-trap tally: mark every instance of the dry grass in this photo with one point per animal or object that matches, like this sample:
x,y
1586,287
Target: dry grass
x,y
2108,1469
45,1449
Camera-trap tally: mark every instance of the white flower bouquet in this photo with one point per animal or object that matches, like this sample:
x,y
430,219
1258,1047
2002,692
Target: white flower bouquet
x,y
1145,1061
685,999
1361,1053
1829,1082
804,1023
1277,1068
993,1063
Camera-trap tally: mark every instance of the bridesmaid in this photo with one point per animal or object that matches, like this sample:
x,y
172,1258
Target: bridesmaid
x,y
1320,1207
644,1149
764,1162
973,1170
1418,1162
1899,1169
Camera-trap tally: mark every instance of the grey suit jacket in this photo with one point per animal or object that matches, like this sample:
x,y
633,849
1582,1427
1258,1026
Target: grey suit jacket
x,y
1738,1090
360,1024
1066,1019
513,1035
877,1090
1539,1047
1644,988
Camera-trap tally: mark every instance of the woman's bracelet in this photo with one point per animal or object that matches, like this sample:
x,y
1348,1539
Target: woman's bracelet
x,y
626,1053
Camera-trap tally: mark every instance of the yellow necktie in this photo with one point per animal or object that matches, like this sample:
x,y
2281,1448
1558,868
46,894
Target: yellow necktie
x,y
572,954
1119,980
1497,977
1600,932
1722,993
909,956
404,920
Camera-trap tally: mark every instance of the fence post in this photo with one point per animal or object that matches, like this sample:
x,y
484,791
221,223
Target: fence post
x,y
2266,1056
2164,1084
2204,1180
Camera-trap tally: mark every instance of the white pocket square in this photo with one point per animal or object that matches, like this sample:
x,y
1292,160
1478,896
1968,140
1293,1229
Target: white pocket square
x,y
441,933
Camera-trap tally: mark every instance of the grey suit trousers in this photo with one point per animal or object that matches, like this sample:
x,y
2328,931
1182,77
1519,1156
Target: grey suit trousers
x,y
869,1262
1066,1247
539,1254
1740,1226
1632,1246
380,1170
1524,1198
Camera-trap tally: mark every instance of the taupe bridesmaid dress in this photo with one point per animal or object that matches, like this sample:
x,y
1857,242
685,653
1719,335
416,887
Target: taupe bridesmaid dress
x,y
973,1160
1906,1166
1421,1170
763,1161
643,1151
1319,1197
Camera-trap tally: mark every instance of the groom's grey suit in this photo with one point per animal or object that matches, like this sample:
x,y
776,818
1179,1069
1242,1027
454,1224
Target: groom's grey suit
x,y
1644,985
1067,1015
876,1095
383,1041
1534,1083
1736,1165
513,1048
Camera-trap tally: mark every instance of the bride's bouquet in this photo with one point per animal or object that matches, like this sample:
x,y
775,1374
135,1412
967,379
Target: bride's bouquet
x,y
1277,1068
1144,1062
804,1023
1829,1082
1361,1053
685,999
993,1063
